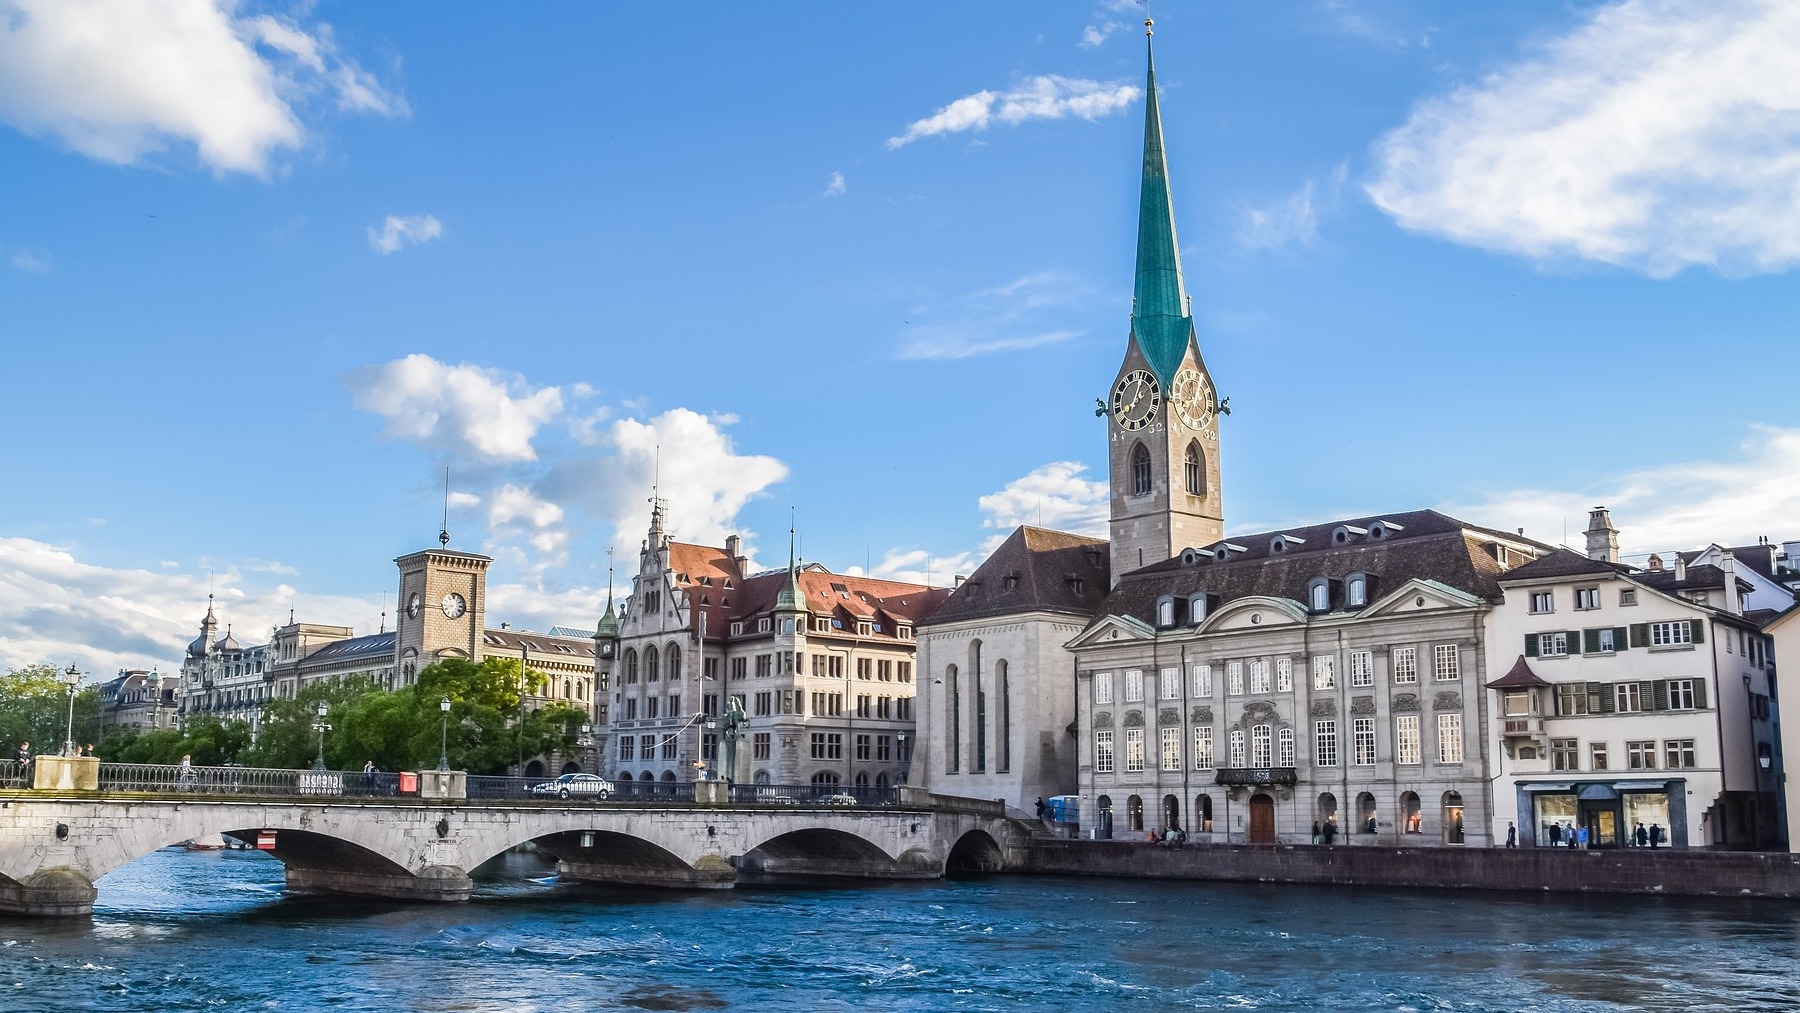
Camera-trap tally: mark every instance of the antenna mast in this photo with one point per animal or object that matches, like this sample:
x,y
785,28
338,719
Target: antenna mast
x,y
444,531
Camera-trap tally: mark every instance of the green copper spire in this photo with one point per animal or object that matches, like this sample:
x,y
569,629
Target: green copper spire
x,y
1159,313
790,598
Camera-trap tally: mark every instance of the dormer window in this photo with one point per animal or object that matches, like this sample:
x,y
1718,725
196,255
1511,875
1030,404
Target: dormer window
x,y
1356,590
1384,529
1196,609
1074,584
1010,582
905,632
762,625
1194,557
1282,543
1165,612
1344,534
863,628
1318,594
737,629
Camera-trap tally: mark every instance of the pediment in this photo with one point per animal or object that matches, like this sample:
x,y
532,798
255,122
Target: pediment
x,y
1254,612
1112,629
1418,595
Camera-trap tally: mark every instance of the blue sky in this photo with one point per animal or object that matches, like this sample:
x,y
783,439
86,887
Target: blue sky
x,y
266,269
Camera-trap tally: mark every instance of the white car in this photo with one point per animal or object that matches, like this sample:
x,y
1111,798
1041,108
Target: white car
x,y
838,799
568,785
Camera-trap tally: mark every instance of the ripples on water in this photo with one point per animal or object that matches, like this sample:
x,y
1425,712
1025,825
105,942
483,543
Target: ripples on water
x,y
179,931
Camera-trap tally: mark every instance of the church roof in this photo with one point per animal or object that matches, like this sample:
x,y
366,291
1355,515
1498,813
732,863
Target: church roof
x,y
1033,570
1160,323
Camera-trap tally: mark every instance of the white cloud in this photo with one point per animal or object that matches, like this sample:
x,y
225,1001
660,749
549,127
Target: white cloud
x,y
119,82
517,515
1045,97
834,187
462,501
30,263
1673,506
1658,135
701,475
57,608
398,231
1288,221
1053,496
1020,314
1093,36
460,408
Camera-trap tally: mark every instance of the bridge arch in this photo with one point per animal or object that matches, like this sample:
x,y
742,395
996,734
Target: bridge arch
x,y
975,852
815,852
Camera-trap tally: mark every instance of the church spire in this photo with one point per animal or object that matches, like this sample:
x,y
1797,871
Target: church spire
x,y
789,599
1160,322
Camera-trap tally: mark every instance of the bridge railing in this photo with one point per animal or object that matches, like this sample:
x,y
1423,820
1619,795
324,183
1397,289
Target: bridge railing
x,y
812,794
163,778
14,774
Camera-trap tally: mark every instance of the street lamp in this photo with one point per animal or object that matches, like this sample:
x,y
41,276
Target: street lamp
x,y
73,678
321,727
444,737
586,742
904,758
155,681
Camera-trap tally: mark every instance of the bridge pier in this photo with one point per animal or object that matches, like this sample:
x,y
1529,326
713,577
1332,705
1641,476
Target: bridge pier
x,y
51,893
710,873
437,883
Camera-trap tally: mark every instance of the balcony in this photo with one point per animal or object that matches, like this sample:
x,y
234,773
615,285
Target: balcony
x,y
1529,727
1255,775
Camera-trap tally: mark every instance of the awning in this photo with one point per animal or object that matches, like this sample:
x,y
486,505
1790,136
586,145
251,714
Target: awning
x,y
1641,785
1546,787
1597,793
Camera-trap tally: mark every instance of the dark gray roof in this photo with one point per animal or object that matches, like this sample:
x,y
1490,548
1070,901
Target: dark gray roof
x,y
1760,558
1706,577
1421,544
1563,563
373,645
1034,570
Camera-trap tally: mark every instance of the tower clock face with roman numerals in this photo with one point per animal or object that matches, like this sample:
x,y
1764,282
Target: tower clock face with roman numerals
x,y
1135,400
1193,399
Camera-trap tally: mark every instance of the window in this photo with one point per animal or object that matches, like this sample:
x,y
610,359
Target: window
x,y
1194,471
884,748
1565,754
1550,645
1406,739
1134,686
1196,609
1571,700
1325,746
1140,471
1678,753
1261,744
1203,753
1103,752
759,745
1134,750
650,707
1363,732
1640,755
1168,683
865,668
1405,661
627,748
1284,739
1450,740
1234,677
762,705
1237,747
1323,677
827,746
1517,703
1587,598
1597,755
1681,694
1103,687
1628,596
1601,641
903,671
1671,634
1362,668
1627,698
1171,749
1320,596
1446,661
1165,612
865,747
1542,602
1356,591
1203,681
1259,676
669,747
1284,675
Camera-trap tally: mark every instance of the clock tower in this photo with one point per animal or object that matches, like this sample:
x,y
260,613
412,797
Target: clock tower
x,y
1162,413
443,604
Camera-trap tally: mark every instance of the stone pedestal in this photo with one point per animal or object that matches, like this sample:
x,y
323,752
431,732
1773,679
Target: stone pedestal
x,y
711,792
443,784
70,773
51,893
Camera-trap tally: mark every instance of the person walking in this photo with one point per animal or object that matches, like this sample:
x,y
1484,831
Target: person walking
x,y
1556,835
1040,808
25,764
1583,833
1318,835
1640,836
184,775
1656,835
1512,835
1330,830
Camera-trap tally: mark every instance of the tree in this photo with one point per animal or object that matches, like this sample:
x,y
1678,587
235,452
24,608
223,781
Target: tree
x,y
34,707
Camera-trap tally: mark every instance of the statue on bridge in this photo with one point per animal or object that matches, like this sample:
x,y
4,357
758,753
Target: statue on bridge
x,y
731,729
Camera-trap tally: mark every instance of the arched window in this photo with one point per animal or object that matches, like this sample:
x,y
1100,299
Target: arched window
x,y
1203,814
825,779
1284,756
760,777
881,780
652,666
568,690
1319,595
674,654
1193,465
1260,740
631,667
862,779
1412,821
1134,813
953,757
1453,818
1172,811
1356,590
1327,808
1165,612
1140,471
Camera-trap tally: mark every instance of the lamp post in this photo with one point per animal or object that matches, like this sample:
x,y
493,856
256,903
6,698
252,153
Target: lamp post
x,y
73,678
321,727
155,681
904,758
444,737
586,742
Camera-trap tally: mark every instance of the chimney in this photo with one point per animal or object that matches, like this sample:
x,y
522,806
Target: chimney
x,y
1602,537
1680,568
732,545
1734,602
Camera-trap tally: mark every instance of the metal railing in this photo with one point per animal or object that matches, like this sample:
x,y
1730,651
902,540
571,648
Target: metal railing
x,y
813,794
173,779
15,774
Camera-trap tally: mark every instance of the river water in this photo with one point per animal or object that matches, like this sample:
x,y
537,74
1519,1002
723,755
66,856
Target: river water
x,y
189,931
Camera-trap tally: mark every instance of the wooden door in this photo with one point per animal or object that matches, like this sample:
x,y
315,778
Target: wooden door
x,y
1262,820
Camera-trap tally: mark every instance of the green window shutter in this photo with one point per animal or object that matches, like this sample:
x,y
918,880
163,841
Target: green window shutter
x,y
1620,638
1590,641
1699,626
1640,634
1656,694
1700,694
1531,645
1600,698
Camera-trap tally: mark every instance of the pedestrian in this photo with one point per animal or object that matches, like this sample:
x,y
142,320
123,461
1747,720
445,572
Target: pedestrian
x,y
1318,835
1330,830
1556,835
1656,835
1640,836
369,777
1583,832
185,773
1569,835
1512,835
25,763
1040,808
87,750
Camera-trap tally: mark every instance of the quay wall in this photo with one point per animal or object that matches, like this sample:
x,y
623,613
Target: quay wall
x,y
1634,870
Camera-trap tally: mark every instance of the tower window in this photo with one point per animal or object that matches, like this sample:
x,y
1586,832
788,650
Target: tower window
x,y
1193,466
1140,471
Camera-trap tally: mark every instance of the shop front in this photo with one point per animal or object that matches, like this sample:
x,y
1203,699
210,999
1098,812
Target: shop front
x,y
1612,812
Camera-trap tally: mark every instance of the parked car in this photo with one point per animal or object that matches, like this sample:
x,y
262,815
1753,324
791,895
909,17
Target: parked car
x,y
838,799
589,785
779,800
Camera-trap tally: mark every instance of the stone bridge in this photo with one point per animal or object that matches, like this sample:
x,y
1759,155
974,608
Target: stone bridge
x,y
55,844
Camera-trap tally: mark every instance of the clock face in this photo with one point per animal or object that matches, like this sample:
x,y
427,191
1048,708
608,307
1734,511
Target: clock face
x,y
454,605
415,605
1135,400
1193,399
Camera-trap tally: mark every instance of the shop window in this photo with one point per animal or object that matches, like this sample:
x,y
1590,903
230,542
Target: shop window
x,y
1366,818
1453,818
1134,813
1412,821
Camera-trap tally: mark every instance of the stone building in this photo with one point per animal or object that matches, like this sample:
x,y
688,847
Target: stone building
x,y
821,663
139,700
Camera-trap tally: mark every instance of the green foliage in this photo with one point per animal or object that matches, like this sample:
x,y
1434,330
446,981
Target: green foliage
x,y
34,707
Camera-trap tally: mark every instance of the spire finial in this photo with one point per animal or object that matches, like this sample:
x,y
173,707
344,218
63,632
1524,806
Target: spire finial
x,y
444,531
1148,25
